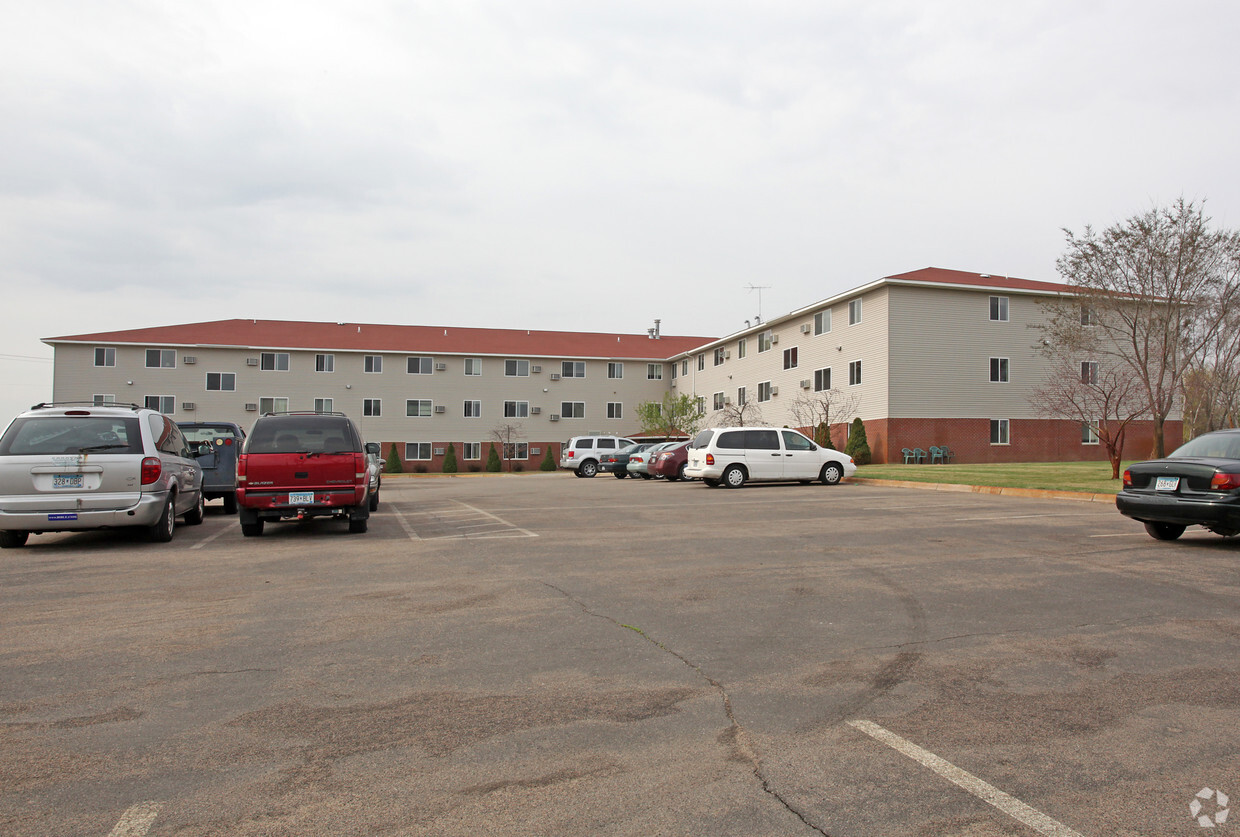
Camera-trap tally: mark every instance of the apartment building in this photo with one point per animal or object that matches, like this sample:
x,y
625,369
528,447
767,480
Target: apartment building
x,y
930,357
416,387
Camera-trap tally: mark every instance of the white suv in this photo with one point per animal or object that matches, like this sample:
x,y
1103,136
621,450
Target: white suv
x,y
734,455
68,467
580,454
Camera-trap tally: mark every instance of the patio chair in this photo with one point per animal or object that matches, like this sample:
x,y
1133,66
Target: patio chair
x,y
919,455
948,456
936,455
908,455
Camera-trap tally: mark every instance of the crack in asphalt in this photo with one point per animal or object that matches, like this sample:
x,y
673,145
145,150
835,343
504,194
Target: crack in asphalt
x,y
740,735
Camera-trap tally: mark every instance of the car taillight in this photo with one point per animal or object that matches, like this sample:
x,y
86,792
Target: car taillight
x,y
151,469
1224,482
1127,478
241,466
635,459
710,459
359,464
571,454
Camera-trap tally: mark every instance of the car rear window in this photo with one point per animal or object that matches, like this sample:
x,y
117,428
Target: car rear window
x,y
309,434
209,432
34,435
702,439
732,440
1211,446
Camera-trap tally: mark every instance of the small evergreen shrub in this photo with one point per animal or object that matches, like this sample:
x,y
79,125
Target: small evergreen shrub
x,y
494,466
548,463
393,464
449,460
858,447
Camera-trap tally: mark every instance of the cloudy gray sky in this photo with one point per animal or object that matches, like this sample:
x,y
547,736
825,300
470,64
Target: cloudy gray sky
x,y
574,165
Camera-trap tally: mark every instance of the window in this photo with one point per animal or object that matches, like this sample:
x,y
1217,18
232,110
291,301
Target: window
x,y
105,356
790,358
373,364
473,409
822,322
471,450
654,371
999,431
419,365
516,409
854,373
999,309
1089,432
572,409
614,410
516,450
719,356
573,369
701,362
684,366
1089,317
221,382
717,401
324,405
101,400
660,369
418,407
795,441
854,311
741,346
1089,372
701,405
415,451
158,359
517,368
273,405
764,391
764,341
741,397
324,363
616,370
998,370
822,379
372,407
273,362
473,366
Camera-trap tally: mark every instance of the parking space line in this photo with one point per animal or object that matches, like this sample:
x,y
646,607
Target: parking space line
x,y
404,524
210,538
984,791
136,821
525,532
1031,516
1123,535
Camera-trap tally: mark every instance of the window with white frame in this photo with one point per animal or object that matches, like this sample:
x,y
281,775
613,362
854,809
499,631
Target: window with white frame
x,y
764,391
418,407
516,450
1089,372
854,373
741,397
1089,316
419,365
854,311
717,401
572,409
161,358
221,382
573,368
790,358
1089,433
999,309
822,379
273,404
324,405
166,404
998,370
614,410
654,371
273,361
417,451
719,356
999,432
105,356
324,363
471,450
473,409
700,403
473,366
742,346
684,366
674,367
516,409
701,362
101,400
615,370
822,322
764,341
516,368
372,364
372,407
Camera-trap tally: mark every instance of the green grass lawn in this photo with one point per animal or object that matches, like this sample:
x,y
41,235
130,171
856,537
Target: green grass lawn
x,y
1091,477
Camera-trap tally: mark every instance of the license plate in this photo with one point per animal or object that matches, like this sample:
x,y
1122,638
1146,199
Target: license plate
x,y
300,498
67,481
66,516
1167,484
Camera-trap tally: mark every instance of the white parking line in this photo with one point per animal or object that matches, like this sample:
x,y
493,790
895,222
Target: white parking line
x,y
984,791
1030,516
1123,535
525,532
136,821
210,538
404,524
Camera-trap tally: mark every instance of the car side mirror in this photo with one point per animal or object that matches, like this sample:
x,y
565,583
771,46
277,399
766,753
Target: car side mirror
x,y
200,449
373,448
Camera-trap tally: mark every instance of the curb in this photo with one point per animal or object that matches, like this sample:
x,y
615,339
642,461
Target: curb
x,y
1079,496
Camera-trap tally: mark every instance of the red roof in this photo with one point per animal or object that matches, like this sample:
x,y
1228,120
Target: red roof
x,y
983,280
369,337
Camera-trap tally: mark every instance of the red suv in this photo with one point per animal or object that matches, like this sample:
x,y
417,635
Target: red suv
x,y
299,465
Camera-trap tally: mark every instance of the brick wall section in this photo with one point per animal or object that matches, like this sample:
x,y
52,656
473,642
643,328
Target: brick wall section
x,y
1032,440
434,465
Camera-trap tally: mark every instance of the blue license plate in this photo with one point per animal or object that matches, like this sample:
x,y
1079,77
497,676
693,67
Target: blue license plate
x,y
300,498
68,516
1167,484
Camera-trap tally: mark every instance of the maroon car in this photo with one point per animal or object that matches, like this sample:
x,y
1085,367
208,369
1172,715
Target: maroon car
x,y
671,463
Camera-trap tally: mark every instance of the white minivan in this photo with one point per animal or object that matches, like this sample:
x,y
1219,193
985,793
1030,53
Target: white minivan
x,y
734,455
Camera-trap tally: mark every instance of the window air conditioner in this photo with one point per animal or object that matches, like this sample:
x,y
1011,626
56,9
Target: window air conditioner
x,y
535,369
727,399
774,391
805,328
187,405
774,339
727,354
805,383
441,367
439,408
555,417
535,410
188,359
439,451
555,376
251,408
251,361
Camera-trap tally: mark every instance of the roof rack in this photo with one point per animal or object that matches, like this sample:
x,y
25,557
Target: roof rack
x,y
307,413
47,405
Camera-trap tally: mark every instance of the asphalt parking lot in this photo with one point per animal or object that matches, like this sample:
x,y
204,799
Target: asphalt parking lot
x,y
538,654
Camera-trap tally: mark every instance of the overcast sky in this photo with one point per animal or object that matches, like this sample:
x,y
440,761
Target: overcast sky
x,y
574,165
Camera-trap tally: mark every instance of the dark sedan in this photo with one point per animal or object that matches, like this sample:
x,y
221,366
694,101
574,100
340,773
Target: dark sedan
x,y
670,463
617,464
1197,485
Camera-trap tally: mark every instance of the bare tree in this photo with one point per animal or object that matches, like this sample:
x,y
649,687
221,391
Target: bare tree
x,y
1212,382
823,409
1154,288
736,414
507,436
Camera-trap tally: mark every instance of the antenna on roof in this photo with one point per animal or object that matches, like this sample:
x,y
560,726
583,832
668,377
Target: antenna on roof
x,y
759,289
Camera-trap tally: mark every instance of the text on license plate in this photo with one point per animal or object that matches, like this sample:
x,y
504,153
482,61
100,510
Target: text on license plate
x,y
67,481
300,498
1167,484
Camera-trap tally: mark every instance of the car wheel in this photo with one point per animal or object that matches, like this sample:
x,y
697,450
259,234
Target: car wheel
x,y
252,530
680,472
831,474
588,468
161,532
194,516
374,501
646,477
358,525
734,477
620,474
1165,531
710,482
230,504
12,540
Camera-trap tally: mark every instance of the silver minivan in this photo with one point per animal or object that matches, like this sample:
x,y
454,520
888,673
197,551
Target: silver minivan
x,y
67,467
732,456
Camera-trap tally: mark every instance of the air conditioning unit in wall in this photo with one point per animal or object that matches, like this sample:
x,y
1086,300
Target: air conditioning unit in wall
x,y
555,417
439,408
187,405
249,408
805,328
189,359
439,451
555,376
727,399
727,354
774,339
535,410
441,367
805,383
536,369
774,391
251,361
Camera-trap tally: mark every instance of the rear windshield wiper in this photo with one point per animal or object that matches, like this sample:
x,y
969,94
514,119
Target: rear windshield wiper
x,y
93,448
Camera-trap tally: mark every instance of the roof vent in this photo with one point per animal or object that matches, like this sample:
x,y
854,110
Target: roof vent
x,y
985,275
